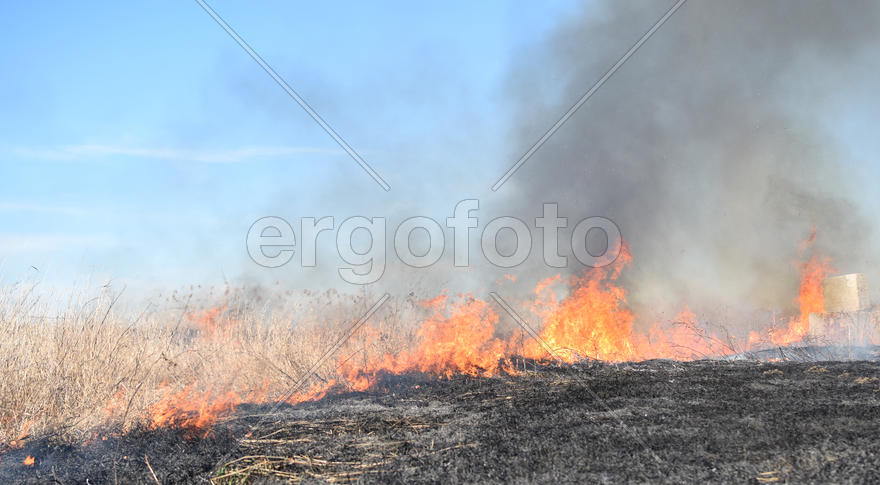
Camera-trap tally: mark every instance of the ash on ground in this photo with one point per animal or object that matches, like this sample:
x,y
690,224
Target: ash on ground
x,y
650,422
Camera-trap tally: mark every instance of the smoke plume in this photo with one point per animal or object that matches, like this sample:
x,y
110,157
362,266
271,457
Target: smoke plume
x,y
706,148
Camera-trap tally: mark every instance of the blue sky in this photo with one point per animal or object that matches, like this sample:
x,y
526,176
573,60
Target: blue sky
x,y
138,141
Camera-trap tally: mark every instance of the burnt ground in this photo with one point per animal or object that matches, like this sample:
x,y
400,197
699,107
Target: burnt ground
x,y
650,422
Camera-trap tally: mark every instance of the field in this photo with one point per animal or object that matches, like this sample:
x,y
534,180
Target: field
x,y
93,365
590,241
650,422
283,388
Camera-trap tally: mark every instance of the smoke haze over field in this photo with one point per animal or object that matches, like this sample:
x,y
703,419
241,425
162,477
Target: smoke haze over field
x,y
705,148
716,147
708,148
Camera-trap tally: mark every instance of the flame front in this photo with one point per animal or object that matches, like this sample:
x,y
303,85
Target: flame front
x,y
592,321
460,337
192,411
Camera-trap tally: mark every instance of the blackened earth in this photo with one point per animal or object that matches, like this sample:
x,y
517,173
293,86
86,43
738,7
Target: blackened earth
x,y
649,422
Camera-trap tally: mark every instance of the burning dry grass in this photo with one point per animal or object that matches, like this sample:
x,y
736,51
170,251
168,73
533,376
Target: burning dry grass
x,y
96,368
93,364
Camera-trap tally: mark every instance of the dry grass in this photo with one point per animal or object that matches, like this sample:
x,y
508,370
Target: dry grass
x,y
72,370
90,364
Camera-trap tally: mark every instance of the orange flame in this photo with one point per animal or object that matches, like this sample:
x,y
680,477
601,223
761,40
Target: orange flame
x,y
459,337
29,461
593,321
191,411
810,298
212,322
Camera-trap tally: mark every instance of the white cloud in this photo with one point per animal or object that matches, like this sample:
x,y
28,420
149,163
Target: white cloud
x,y
235,155
37,243
47,209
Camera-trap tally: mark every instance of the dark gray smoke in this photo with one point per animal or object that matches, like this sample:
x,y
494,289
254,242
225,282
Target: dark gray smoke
x,y
707,148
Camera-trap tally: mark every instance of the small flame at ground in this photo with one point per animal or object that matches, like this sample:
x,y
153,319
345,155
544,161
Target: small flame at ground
x,y
191,411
